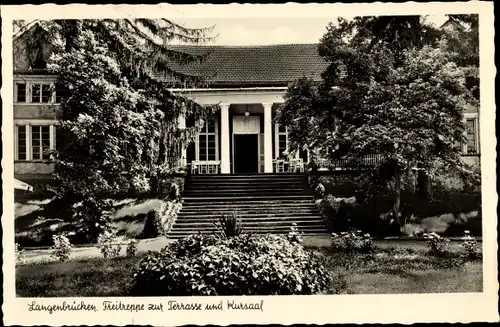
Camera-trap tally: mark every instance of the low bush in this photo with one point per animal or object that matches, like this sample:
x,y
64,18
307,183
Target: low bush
x,y
294,236
20,255
240,265
62,248
131,249
109,244
437,244
471,247
352,242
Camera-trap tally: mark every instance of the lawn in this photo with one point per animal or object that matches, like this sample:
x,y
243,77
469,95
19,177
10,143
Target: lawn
x,y
404,269
37,220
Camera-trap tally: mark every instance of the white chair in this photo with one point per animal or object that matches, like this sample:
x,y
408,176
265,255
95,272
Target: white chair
x,y
280,165
194,167
296,165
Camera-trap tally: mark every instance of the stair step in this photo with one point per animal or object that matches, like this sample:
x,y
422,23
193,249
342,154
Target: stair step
x,y
263,203
243,189
290,217
283,224
254,202
265,230
245,211
230,186
248,198
263,214
250,229
252,176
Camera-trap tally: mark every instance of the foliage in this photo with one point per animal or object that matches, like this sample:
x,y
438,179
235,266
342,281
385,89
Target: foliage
x,y
152,225
62,247
174,194
170,215
19,254
401,98
228,225
119,119
131,249
109,244
437,244
294,236
92,217
240,265
352,242
463,44
470,246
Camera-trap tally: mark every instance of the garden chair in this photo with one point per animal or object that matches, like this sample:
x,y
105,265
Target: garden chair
x,y
296,165
280,165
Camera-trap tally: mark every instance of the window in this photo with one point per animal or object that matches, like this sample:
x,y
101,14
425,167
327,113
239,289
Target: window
x,y
61,93
471,146
281,141
34,142
40,142
20,92
207,141
41,93
21,143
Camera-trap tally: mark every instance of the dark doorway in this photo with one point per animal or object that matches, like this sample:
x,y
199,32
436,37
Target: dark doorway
x,y
246,156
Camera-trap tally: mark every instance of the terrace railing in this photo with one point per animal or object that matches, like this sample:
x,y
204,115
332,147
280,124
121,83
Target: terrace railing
x,y
341,164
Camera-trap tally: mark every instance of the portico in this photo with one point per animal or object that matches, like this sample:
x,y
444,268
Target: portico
x,y
241,138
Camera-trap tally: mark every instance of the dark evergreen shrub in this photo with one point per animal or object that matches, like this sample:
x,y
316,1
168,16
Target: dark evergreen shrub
x,y
152,225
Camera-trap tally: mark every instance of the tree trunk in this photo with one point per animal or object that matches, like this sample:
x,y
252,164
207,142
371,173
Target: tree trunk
x,y
422,184
397,200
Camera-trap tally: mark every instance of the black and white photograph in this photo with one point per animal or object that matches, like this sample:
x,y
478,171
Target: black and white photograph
x,y
184,157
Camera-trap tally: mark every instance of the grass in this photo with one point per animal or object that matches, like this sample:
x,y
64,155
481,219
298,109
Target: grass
x,y
405,270
37,220
390,270
90,277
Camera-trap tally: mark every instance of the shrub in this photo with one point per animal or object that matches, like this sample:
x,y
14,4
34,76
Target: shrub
x,y
228,225
174,192
352,242
20,255
319,190
140,183
169,216
93,217
240,265
152,225
437,244
62,247
294,236
131,249
470,246
109,244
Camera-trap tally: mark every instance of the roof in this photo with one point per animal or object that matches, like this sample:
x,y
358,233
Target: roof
x,y
268,65
254,65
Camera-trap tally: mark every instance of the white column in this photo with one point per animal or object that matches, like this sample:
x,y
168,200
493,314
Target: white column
x,y
52,139
268,139
182,125
225,166
28,142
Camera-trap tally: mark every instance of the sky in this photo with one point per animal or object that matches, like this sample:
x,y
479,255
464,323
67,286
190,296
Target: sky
x,y
263,31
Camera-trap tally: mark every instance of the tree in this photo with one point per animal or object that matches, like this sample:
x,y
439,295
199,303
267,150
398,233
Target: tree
x,y
402,101
119,119
463,44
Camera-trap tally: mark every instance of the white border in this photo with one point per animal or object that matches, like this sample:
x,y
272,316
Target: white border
x,y
284,309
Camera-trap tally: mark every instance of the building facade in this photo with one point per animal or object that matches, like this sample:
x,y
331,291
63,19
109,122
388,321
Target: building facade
x,y
248,83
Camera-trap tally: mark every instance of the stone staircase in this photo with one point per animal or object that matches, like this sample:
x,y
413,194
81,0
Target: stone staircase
x,y
264,203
